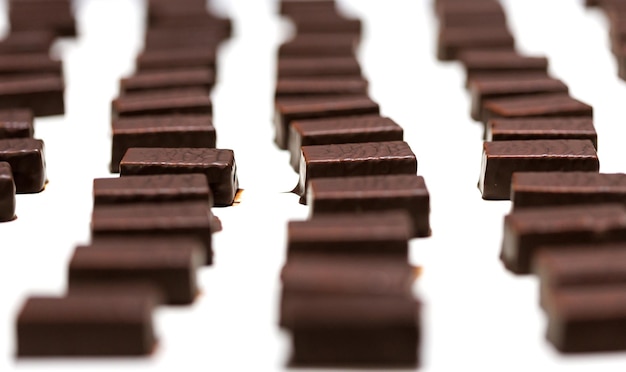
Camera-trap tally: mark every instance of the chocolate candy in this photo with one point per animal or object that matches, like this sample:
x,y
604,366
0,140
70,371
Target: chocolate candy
x,y
541,128
44,94
452,41
12,65
319,45
180,38
7,193
190,219
481,61
216,164
95,324
288,7
506,75
501,159
528,230
184,58
352,129
360,234
288,87
372,194
140,189
355,159
483,90
26,157
535,189
190,101
171,268
321,66
36,41
288,111
160,131
203,78
16,123
538,105
316,23
52,15
471,14
205,22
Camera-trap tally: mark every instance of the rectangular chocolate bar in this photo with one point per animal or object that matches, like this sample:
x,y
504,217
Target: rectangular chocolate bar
x,y
351,129
16,123
528,230
372,194
93,324
183,58
482,61
361,234
471,14
180,38
159,188
288,7
503,158
535,106
55,15
160,131
201,21
189,101
288,111
12,65
36,41
495,75
452,41
172,269
43,95
320,23
7,193
216,164
355,159
319,45
322,66
315,86
541,128
191,219
536,189
28,164
203,78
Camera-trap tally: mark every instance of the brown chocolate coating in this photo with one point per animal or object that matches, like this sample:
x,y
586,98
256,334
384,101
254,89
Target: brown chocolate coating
x,y
471,14
7,193
180,38
537,105
43,94
321,22
183,58
26,157
483,61
541,128
488,76
319,45
503,158
203,78
528,230
52,15
288,7
216,164
12,65
373,194
452,41
203,22
36,41
322,66
184,102
160,131
288,87
16,123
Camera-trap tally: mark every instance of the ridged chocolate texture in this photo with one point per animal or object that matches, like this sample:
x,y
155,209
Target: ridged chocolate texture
x,y
503,158
93,324
541,128
327,107
139,189
193,131
7,193
53,15
483,90
179,38
183,58
43,94
528,230
194,77
451,42
189,101
28,164
12,65
538,105
217,165
319,45
352,129
320,66
588,320
171,269
535,189
36,41
170,219
363,234
373,194
355,159
482,61
287,87
16,123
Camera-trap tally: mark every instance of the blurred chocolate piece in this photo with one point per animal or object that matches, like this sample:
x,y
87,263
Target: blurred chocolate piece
x,y
489,76
319,45
188,101
325,23
452,41
16,123
26,157
371,194
51,15
535,106
28,42
25,64
183,59
471,14
203,78
541,128
316,86
203,22
217,165
7,193
317,67
160,131
289,7
43,95
483,61
173,39
528,230
503,158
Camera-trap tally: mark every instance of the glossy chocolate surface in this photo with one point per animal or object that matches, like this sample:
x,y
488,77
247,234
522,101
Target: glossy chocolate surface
x,y
183,102
537,105
7,193
541,128
16,123
26,157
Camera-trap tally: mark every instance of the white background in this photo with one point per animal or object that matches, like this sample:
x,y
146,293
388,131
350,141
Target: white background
x,y
477,316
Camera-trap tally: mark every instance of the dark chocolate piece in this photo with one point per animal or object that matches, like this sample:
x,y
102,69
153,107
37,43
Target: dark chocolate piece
x,y
16,123
535,106
140,189
180,38
541,128
36,41
55,15
288,87
216,164
288,7
288,111
355,159
356,234
190,219
95,324
7,193
323,66
452,41
351,129
320,23
203,78
482,61
26,157
471,14
503,158
536,189
190,101
160,131
495,75
43,95
484,90
319,45
182,59
12,65
203,22
372,194
172,269
528,230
